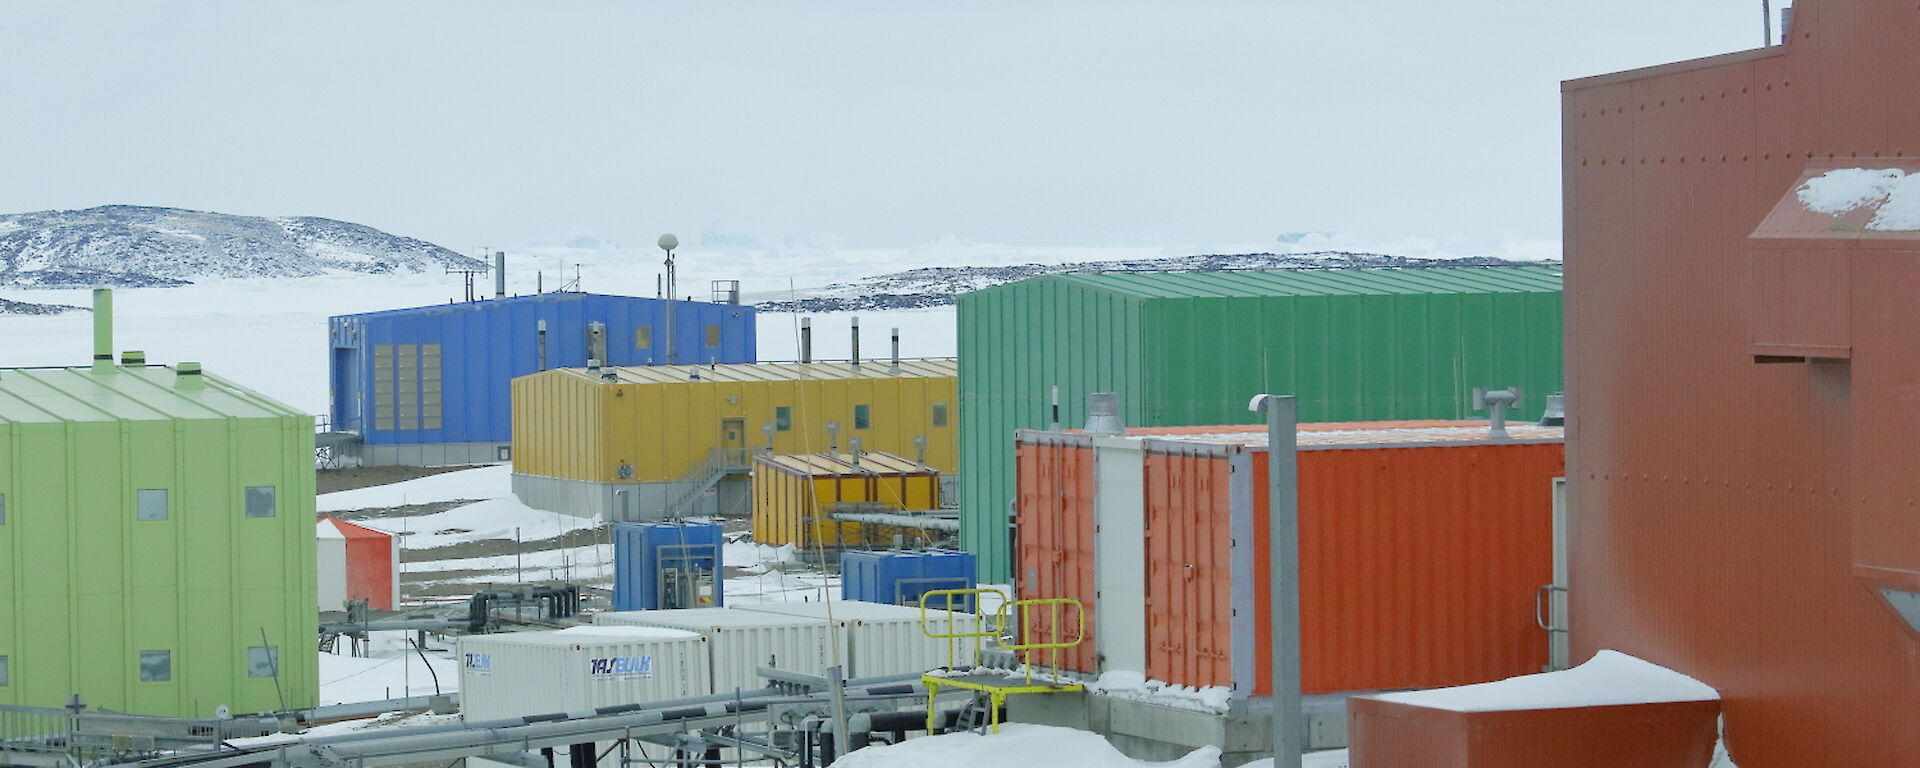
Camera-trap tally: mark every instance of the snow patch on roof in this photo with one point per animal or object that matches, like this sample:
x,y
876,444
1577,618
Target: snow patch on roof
x,y
1610,678
1844,190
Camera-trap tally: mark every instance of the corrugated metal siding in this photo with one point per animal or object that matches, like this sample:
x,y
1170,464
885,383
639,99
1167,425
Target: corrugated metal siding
x,y
1726,535
484,344
789,490
1190,349
739,643
1189,569
880,639
586,427
84,586
1056,553
536,673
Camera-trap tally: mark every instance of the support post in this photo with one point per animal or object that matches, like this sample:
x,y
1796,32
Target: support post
x,y
1283,539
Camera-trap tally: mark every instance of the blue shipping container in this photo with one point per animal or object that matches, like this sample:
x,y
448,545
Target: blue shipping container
x,y
900,577
439,374
645,553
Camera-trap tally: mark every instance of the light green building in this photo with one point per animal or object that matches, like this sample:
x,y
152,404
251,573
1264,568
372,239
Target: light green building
x,y
156,540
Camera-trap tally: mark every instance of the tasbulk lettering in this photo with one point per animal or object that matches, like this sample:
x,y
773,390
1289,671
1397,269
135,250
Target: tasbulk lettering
x,y
478,662
622,667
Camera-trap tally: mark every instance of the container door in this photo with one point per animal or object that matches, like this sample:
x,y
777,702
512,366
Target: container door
x,y
1550,605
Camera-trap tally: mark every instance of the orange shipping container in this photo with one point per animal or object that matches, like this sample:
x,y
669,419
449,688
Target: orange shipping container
x,y
1423,547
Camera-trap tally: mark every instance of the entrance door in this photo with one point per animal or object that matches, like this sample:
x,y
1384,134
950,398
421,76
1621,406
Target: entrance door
x,y
733,442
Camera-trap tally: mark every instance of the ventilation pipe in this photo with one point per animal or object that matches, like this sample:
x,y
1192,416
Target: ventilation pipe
x,y
133,358
856,343
1496,402
853,447
895,368
597,341
103,330
1054,425
806,339
920,450
189,377
833,437
499,274
1103,414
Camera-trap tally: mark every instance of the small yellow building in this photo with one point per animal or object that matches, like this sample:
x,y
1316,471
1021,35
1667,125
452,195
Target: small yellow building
x,y
795,496
642,443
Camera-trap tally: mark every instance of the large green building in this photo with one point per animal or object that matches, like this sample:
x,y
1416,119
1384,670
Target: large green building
x,y
1193,348
156,541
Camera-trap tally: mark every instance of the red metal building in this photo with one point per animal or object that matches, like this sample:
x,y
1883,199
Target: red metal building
x,y
1744,381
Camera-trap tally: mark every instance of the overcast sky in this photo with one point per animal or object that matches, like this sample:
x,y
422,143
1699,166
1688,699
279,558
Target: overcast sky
x,y
886,123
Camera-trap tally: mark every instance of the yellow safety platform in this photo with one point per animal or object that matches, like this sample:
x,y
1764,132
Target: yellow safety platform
x,y
998,685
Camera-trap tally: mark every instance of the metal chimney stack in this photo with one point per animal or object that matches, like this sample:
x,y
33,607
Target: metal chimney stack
x,y
1103,414
833,437
856,343
895,368
103,330
853,447
1053,417
499,274
806,339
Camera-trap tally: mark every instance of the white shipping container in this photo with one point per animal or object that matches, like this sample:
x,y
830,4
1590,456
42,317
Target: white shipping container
x,y
740,642
879,640
578,669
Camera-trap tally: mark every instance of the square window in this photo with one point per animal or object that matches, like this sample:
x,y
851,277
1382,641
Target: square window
x,y
783,418
713,336
263,661
260,501
3,509
3,671
939,414
151,504
862,417
156,666
643,337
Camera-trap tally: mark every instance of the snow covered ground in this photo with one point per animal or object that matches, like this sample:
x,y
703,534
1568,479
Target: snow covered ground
x,y
1015,744
391,670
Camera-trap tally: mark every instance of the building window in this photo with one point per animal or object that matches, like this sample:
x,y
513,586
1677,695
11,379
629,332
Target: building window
x,y
150,504
156,666
3,509
643,337
430,401
713,336
383,386
783,418
3,671
939,414
263,661
260,501
862,417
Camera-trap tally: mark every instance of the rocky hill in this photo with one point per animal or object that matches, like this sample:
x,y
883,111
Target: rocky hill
x,y
134,246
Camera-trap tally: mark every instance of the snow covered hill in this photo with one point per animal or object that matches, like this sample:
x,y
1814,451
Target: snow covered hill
x,y
137,246
938,286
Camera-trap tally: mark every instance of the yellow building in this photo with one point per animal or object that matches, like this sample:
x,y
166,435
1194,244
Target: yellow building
x,y
794,498
643,443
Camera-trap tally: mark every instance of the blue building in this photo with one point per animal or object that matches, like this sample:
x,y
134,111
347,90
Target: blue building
x,y
428,386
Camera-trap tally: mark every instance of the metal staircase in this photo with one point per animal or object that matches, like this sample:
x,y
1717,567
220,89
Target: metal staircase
x,y
721,463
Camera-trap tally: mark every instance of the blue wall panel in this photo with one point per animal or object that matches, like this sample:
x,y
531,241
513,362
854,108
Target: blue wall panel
x,y
640,549
900,577
485,344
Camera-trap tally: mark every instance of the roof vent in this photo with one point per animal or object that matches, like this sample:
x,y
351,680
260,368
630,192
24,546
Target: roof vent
x,y
189,376
1103,414
103,330
1556,415
1496,402
133,358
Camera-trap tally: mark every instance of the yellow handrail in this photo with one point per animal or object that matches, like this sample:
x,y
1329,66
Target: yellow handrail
x,y
1016,611
954,632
